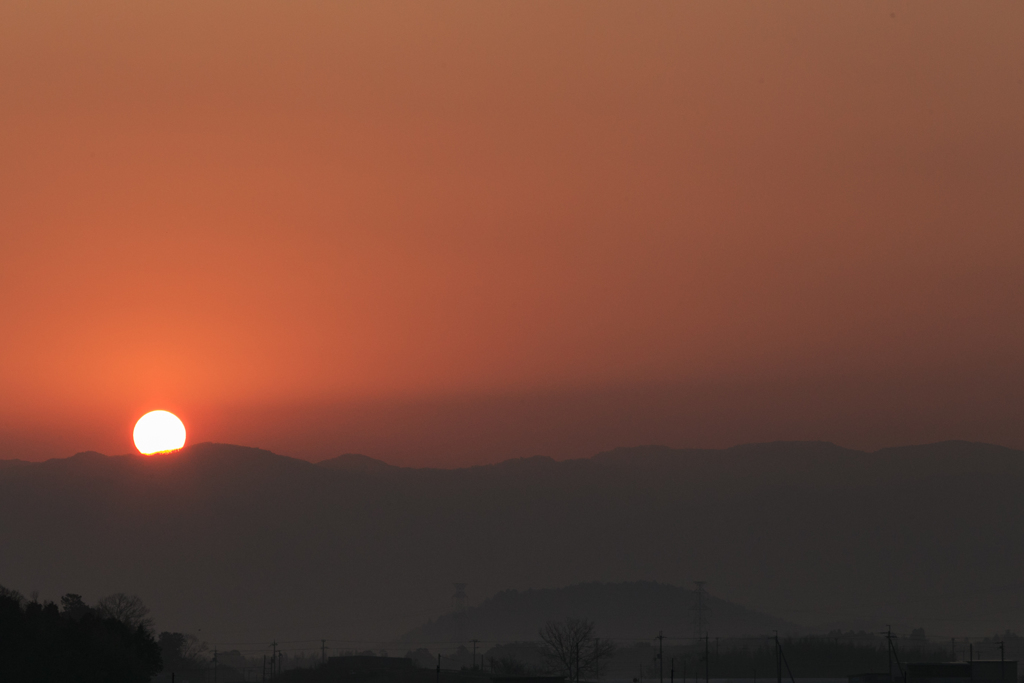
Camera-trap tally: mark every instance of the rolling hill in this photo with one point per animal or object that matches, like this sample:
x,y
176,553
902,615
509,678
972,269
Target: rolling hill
x,y
247,545
635,610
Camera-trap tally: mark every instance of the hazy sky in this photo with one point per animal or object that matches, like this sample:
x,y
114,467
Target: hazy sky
x,y
449,233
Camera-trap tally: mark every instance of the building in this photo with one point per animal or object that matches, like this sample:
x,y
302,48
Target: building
x,y
870,678
356,664
979,671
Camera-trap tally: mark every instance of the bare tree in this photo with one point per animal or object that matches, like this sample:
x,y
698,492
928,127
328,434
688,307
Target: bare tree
x,y
193,649
572,647
125,608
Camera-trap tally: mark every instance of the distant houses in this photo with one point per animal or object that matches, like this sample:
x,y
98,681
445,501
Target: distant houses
x,y
356,664
978,671
373,669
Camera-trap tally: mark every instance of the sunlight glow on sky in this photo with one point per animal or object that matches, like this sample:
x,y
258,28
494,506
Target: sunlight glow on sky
x,y
452,234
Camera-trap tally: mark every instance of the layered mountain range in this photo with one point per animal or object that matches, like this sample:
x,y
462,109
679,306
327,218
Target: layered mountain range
x,y
243,545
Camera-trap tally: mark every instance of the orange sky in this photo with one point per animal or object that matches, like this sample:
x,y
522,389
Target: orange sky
x,y
449,233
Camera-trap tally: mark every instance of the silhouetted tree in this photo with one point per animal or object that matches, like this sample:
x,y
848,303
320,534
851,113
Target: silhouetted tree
x,y
12,595
73,607
572,647
126,608
182,652
39,642
421,657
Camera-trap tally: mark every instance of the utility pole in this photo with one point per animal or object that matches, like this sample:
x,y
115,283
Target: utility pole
x,y
214,665
474,641
438,667
661,657
273,660
778,658
1002,661
707,659
888,639
672,671
264,670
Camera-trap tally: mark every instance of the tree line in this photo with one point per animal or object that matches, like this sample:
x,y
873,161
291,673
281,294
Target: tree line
x,y
111,641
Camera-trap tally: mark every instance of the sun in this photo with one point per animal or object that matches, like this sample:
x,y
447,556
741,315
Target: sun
x,y
159,431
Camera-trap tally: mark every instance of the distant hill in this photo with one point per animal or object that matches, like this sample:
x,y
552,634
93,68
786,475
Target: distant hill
x,y
354,462
629,610
252,546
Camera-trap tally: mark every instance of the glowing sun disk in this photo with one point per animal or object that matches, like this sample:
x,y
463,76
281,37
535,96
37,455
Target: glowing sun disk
x,y
159,431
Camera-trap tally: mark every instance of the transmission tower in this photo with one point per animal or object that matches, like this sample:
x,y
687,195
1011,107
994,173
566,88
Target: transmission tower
x,y
701,611
460,603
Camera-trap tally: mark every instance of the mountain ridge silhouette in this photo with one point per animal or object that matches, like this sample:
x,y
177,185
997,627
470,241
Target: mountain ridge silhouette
x,y
248,544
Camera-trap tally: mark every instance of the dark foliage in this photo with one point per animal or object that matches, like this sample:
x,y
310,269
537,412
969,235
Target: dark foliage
x,y
182,653
40,642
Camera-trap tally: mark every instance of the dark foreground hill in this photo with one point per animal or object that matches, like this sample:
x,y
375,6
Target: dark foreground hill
x,y
248,545
623,611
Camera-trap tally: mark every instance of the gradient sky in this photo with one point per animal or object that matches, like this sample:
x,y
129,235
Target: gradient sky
x,y
452,233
